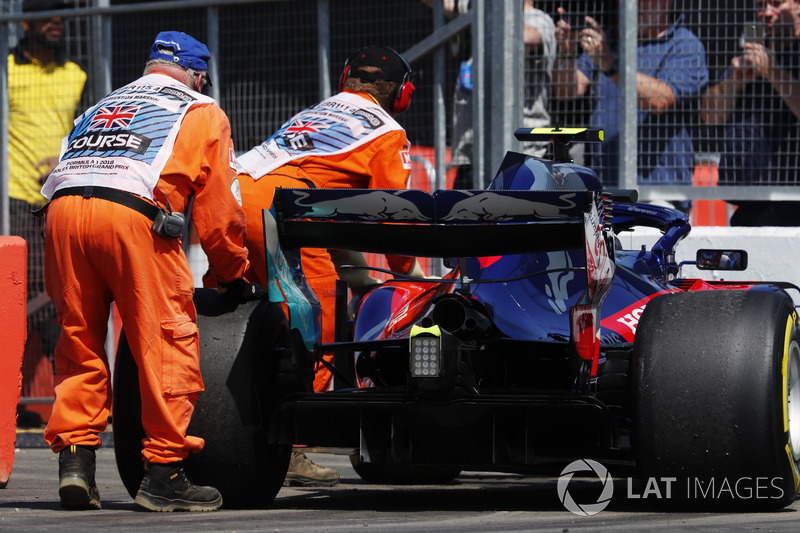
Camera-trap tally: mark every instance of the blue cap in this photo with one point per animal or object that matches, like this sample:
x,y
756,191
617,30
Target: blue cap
x,y
189,52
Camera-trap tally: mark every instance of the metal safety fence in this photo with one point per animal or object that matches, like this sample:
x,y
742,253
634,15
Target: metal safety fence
x,y
505,63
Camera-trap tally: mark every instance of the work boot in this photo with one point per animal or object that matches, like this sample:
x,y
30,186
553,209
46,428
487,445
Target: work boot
x,y
304,472
76,486
166,487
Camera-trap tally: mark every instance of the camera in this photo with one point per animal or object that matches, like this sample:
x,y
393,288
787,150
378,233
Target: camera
x,y
168,224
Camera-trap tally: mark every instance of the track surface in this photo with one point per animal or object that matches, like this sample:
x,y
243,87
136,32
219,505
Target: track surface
x,y
473,502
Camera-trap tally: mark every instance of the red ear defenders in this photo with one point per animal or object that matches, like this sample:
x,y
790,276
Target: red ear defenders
x,y
402,96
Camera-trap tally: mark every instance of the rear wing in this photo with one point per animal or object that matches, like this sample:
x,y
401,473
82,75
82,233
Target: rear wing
x,y
450,223
447,223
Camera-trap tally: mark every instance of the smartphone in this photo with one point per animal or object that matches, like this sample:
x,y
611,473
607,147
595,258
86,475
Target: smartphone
x,y
753,33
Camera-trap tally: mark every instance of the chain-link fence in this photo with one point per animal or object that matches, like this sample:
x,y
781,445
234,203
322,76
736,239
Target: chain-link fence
x,y
713,89
273,58
682,124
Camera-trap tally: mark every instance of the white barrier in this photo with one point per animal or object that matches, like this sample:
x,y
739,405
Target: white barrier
x,y
772,252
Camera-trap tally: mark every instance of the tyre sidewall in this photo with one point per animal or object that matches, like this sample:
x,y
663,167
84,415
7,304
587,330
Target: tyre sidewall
x,y
710,397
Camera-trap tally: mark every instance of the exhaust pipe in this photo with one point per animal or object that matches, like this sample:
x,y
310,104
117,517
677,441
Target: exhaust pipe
x,y
462,317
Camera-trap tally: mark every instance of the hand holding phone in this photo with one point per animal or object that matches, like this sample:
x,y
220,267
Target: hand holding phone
x,y
753,33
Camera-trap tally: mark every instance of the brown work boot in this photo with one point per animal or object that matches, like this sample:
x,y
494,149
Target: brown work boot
x,y
304,472
165,487
76,486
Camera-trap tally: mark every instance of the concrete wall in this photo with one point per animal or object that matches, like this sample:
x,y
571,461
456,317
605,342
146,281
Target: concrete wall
x,y
773,253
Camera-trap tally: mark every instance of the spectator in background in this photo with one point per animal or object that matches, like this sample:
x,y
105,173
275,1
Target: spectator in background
x,y
539,56
757,101
126,175
44,89
351,140
671,75
540,53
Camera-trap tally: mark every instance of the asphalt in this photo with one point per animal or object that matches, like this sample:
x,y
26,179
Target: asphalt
x,y
30,502
475,502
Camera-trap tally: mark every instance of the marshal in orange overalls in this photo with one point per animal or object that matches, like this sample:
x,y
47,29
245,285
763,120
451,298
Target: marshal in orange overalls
x,y
378,164
98,252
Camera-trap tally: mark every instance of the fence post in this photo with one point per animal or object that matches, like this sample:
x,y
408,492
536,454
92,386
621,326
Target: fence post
x,y
502,90
324,48
13,289
628,129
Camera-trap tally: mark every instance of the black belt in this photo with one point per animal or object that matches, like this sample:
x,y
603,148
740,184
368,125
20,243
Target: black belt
x,y
112,195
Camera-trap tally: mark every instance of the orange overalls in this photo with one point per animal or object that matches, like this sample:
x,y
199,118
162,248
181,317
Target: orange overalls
x,y
378,164
98,252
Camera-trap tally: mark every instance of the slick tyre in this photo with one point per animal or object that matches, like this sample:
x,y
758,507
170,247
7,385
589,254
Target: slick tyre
x,y
126,423
240,352
717,399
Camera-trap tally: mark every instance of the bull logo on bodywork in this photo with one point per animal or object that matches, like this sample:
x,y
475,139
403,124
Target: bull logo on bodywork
x,y
377,205
489,206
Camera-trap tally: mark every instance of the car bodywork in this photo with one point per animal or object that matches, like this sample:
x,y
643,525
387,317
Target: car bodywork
x,y
524,354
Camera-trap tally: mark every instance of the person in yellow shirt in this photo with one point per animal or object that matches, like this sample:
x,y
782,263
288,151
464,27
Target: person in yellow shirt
x,y
44,90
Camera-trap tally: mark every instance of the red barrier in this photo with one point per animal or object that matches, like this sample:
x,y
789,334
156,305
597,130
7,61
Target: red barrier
x,y
708,212
13,282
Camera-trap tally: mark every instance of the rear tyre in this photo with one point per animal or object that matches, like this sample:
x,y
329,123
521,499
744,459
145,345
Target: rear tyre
x,y
239,362
717,399
126,423
243,359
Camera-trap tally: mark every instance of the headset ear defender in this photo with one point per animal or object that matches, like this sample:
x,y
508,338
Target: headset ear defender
x,y
402,98
345,73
